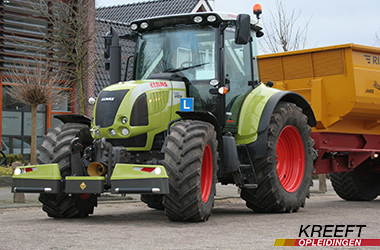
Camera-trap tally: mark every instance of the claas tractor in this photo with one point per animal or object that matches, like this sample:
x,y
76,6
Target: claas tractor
x,y
194,114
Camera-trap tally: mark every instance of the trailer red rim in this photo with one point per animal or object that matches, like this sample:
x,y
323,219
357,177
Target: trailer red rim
x,y
206,175
290,159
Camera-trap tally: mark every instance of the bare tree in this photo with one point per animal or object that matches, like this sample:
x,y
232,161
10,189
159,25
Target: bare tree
x,y
282,32
377,39
35,82
71,33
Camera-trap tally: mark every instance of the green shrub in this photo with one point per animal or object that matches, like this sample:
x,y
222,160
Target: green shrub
x,y
5,171
12,158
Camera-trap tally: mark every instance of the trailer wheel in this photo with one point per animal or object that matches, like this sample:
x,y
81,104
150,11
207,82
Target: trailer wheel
x,y
191,162
284,174
356,185
153,200
55,149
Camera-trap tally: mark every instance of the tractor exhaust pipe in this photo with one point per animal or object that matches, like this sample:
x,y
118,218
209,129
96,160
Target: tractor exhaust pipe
x,y
96,169
113,51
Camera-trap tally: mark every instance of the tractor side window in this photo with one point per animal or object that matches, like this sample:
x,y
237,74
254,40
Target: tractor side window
x,y
237,69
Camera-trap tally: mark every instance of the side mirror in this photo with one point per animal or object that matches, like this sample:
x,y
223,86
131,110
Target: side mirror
x,y
243,31
259,34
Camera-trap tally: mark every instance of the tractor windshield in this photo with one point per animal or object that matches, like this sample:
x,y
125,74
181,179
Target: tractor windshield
x,y
188,49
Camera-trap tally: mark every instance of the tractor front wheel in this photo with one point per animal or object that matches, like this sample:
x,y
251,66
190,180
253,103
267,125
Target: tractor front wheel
x,y
284,174
55,149
191,162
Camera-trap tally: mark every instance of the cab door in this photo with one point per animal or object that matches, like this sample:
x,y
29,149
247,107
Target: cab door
x,y
237,76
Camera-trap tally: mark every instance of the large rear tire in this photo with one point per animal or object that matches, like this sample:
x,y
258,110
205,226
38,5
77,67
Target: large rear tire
x,y
191,162
284,173
55,149
356,185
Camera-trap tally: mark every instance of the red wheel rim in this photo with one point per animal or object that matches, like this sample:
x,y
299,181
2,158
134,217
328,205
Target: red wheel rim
x,y
206,175
290,159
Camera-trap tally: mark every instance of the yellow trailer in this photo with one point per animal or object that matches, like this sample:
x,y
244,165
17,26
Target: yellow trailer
x,y
342,85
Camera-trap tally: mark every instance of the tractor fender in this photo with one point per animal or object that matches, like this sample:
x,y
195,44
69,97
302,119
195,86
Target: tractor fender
x,y
74,119
258,148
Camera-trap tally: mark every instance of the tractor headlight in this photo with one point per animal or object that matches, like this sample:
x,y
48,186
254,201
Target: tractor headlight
x,y
98,134
198,19
124,120
211,18
112,132
134,26
125,131
144,25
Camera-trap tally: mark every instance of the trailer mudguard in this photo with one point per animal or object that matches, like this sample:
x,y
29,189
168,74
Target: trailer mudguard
x,y
255,116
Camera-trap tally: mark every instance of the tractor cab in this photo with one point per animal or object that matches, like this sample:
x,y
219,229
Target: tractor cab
x,y
207,52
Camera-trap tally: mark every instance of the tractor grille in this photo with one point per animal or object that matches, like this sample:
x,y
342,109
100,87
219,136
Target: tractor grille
x,y
107,106
137,141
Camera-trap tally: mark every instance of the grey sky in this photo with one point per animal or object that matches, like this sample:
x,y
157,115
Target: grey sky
x,y
332,21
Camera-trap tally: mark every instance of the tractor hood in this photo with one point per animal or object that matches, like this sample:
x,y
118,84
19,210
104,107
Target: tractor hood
x,y
131,113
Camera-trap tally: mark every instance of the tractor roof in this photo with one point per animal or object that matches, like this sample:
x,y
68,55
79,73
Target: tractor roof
x,y
201,18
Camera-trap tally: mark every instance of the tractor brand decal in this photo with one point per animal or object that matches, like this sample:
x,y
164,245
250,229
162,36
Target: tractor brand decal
x,y
158,84
178,94
372,59
83,185
107,99
329,235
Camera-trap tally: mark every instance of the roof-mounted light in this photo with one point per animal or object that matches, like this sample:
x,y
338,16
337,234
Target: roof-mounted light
x,y
144,25
211,18
198,19
257,10
134,26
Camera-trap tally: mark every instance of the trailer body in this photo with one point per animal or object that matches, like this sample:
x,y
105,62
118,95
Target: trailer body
x,y
342,85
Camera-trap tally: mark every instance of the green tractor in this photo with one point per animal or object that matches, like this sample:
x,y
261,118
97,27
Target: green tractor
x,y
195,114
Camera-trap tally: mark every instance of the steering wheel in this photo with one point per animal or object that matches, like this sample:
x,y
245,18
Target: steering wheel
x,y
4,161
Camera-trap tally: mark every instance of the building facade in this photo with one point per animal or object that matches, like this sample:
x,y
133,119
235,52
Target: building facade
x,y
22,24
23,30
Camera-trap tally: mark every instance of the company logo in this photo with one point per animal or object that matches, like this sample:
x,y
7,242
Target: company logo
x,y
372,59
376,85
107,99
158,84
329,235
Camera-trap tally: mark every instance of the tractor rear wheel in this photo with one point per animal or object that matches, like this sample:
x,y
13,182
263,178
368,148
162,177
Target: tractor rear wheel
x,y
191,162
356,185
55,149
284,173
